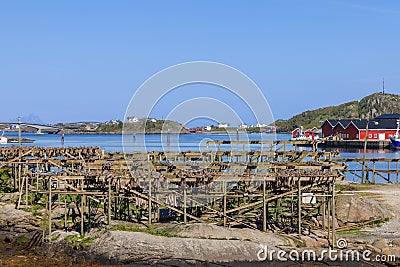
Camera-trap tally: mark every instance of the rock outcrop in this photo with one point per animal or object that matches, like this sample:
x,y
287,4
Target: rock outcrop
x,y
130,247
356,209
15,222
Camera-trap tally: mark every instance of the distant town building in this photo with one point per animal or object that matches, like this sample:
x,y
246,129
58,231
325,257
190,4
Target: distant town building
x,y
153,120
379,128
243,126
223,125
196,130
132,119
207,128
260,125
113,122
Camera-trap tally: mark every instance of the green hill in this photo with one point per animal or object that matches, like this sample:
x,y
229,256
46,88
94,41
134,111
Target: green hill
x,y
368,107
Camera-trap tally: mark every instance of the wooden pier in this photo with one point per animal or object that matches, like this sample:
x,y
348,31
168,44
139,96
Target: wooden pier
x,y
371,144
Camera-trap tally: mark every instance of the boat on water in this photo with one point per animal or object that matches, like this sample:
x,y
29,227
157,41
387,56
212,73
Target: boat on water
x,y
395,139
3,139
300,135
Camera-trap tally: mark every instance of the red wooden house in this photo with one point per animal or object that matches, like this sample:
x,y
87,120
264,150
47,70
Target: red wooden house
x,y
378,129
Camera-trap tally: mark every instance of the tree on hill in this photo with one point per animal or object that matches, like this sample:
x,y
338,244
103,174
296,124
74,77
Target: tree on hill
x,y
368,107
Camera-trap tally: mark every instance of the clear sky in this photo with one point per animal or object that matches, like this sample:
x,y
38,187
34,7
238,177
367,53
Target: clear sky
x,y
83,60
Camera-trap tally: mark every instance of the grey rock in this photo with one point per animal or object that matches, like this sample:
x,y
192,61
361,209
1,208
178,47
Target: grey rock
x,y
355,209
380,244
129,247
396,242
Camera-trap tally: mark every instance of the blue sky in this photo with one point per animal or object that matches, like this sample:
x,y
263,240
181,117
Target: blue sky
x,y
83,60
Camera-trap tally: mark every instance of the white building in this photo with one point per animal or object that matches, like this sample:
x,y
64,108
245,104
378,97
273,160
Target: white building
x,y
243,126
223,125
133,119
207,128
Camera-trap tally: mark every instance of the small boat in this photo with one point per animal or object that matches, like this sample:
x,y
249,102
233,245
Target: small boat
x,y
395,139
3,139
309,135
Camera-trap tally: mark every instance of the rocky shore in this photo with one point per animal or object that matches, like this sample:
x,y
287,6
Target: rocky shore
x,y
198,244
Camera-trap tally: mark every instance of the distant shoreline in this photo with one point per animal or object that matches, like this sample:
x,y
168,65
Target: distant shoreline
x,y
119,133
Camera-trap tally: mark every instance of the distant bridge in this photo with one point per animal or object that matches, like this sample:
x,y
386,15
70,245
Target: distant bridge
x,y
40,128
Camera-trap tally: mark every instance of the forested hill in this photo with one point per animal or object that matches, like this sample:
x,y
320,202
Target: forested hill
x,y
368,107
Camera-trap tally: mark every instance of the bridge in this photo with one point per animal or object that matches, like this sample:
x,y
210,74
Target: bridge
x,y
40,128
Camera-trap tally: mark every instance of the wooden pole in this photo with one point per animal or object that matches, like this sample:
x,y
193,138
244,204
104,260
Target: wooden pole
x,y
224,201
82,211
65,213
109,203
26,188
363,179
19,136
323,212
184,204
328,212
149,203
50,196
373,172
397,172
20,185
299,207
264,208
333,216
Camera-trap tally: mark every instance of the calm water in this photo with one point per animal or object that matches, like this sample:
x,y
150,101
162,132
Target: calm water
x,y
185,142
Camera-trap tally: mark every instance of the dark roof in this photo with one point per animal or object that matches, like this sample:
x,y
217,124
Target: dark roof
x,y
388,116
361,124
383,124
331,122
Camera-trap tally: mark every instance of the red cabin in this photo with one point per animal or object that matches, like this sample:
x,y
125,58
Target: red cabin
x,y
380,128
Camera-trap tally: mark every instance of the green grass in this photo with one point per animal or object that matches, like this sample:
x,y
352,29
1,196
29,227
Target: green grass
x,y
35,209
350,232
78,242
21,240
55,237
6,181
150,231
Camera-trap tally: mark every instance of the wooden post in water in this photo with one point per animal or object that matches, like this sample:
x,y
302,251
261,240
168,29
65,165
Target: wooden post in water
x,y
363,178
397,171
373,172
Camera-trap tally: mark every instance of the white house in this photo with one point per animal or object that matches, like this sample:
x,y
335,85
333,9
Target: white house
x,y
223,125
207,128
243,126
133,119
